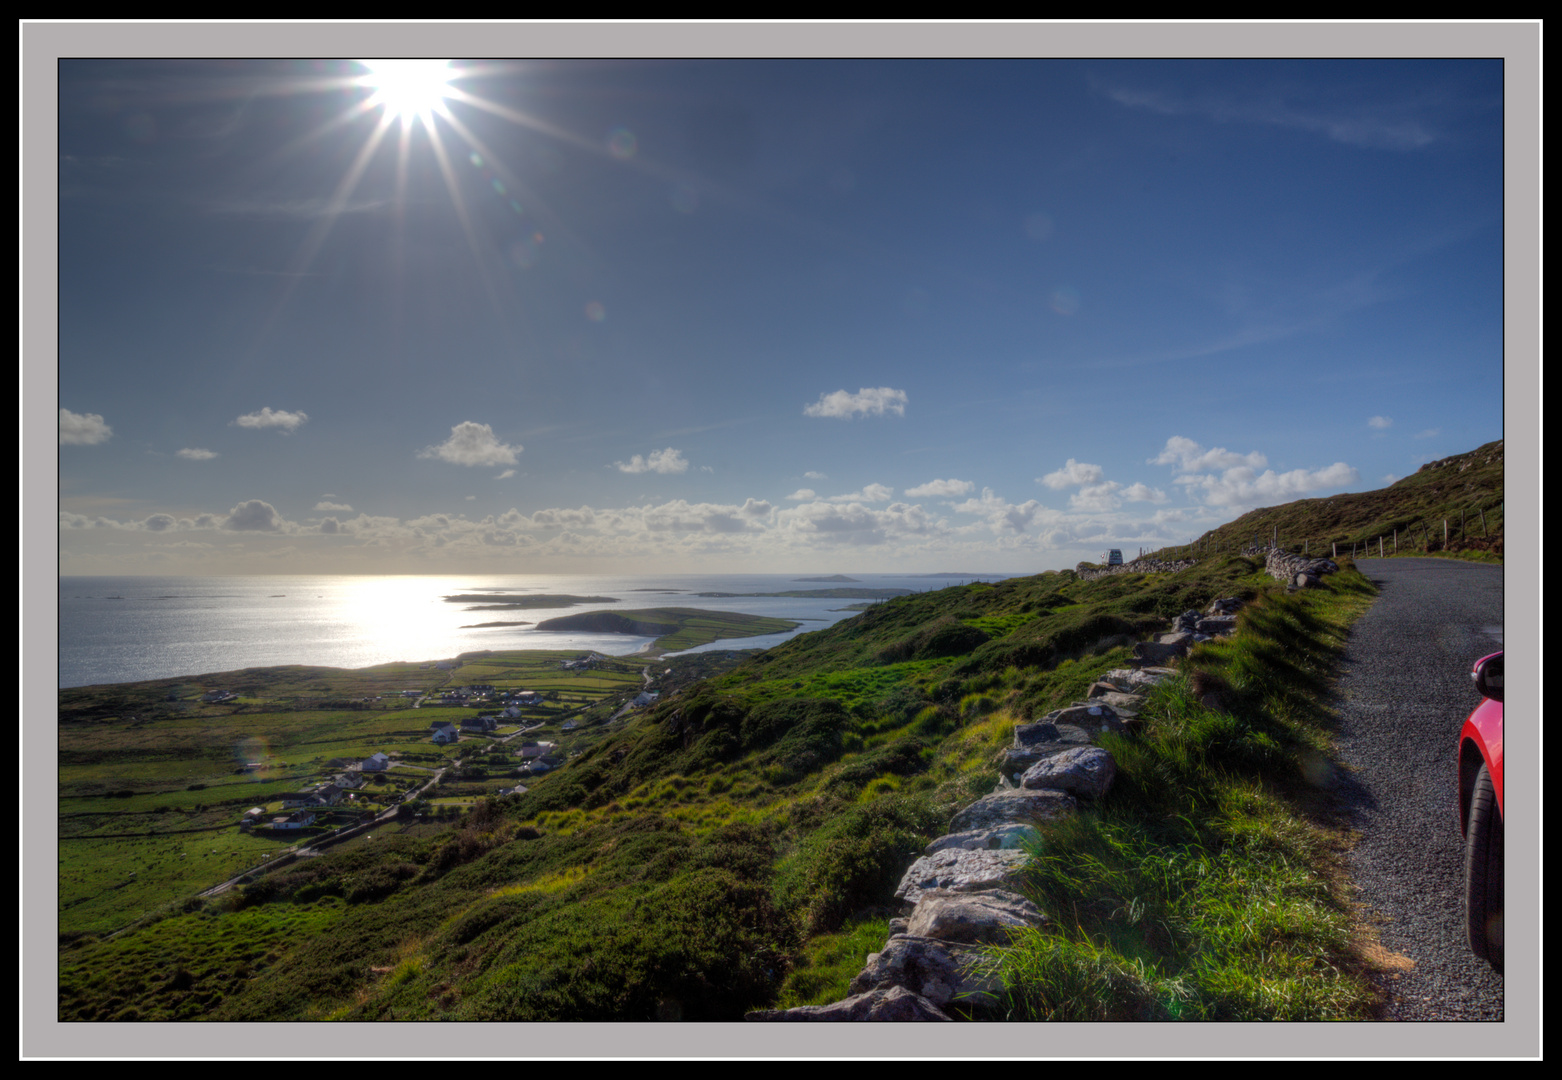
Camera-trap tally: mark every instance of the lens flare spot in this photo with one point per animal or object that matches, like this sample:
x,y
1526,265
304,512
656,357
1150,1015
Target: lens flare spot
x,y
1065,300
621,143
596,311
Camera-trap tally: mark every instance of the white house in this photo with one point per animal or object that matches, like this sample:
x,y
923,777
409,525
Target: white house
x,y
377,763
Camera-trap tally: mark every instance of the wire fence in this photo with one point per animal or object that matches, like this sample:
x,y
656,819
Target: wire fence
x,y
1463,529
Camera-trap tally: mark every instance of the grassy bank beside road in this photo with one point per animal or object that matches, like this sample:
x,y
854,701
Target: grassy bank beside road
x,y
1208,885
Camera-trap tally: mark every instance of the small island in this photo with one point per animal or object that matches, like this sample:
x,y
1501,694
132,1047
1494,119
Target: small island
x,y
832,577
502,601
843,593
674,629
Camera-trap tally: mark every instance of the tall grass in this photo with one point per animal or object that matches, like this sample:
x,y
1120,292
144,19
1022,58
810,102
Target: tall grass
x,y
1202,886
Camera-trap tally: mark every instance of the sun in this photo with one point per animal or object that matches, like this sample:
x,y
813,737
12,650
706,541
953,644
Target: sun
x,y
408,88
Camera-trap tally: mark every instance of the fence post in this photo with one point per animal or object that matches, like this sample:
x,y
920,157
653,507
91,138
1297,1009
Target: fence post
x,y
1380,547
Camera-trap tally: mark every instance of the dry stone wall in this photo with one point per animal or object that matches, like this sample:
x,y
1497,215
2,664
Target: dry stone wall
x,y
1087,572
963,892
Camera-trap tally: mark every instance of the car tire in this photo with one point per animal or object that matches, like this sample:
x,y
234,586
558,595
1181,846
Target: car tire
x,y
1483,872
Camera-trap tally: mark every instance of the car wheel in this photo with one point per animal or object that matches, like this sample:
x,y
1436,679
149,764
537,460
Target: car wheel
x,y
1483,872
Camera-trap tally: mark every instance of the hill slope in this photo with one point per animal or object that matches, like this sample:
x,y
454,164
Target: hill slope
x,y
720,851
1465,491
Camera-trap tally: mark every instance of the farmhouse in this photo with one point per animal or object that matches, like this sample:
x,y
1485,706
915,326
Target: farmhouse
x,y
443,732
377,763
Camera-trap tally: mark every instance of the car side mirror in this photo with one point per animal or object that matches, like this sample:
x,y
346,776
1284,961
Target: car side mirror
x,y
1488,676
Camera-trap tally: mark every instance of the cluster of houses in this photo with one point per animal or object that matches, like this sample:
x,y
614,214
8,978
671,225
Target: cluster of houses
x,y
538,758
473,695
305,806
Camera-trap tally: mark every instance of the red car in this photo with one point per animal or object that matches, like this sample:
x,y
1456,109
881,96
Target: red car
x,y
1480,812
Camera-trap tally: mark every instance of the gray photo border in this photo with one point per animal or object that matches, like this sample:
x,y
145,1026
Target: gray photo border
x,y
44,43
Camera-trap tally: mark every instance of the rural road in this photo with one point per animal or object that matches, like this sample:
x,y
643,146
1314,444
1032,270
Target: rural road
x,y
1404,691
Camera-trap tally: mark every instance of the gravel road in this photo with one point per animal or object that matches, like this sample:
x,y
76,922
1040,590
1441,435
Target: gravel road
x,y
1404,692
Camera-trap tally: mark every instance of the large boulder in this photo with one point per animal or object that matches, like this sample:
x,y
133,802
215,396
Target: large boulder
x,y
1002,838
1218,624
940,971
895,1004
1013,806
985,918
1091,717
1155,654
1083,771
959,870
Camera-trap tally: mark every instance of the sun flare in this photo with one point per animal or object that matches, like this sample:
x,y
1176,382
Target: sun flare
x,y
408,88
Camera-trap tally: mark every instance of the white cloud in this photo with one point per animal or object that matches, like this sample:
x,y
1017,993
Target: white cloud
x,y
681,516
1380,423
266,418
1072,473
1003,516
1143,493
855,524
1429,433
472,443
253,516
1191,457
871,494
505,475
1096,498
1241,487
1385,125
82,429
869,401
660,461
941,489
801,495
331,507
191,453
811,475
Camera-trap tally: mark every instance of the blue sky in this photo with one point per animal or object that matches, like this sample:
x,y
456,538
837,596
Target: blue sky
x,y
814,316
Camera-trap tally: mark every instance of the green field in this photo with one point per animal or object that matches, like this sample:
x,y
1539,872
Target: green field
x,y
152,780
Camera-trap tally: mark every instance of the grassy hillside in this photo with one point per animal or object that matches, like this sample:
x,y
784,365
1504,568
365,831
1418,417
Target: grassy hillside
x,y
1465,491
737,845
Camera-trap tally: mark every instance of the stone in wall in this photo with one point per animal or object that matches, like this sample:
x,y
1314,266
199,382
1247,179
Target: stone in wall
x,y
985,918
895,1004
1085,772
940,971
959,870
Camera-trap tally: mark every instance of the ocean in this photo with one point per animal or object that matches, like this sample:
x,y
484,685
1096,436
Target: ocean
x,y
128,629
